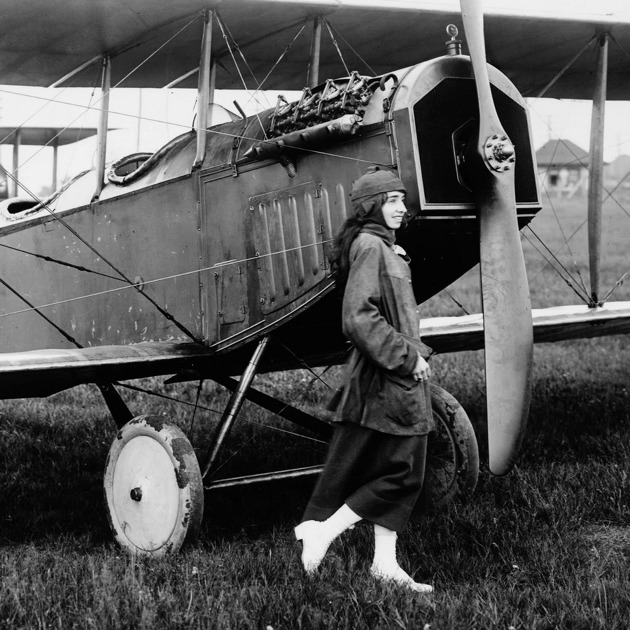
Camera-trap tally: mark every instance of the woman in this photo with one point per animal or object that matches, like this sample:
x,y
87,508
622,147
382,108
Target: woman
x,y
375,464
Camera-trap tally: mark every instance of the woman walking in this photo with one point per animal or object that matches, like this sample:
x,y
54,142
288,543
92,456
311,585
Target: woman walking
x,y
375,465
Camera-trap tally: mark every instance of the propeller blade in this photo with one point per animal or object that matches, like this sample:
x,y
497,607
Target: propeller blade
x,y
506,305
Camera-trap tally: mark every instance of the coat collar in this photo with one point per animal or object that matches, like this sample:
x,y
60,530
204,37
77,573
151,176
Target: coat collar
x,y
381,231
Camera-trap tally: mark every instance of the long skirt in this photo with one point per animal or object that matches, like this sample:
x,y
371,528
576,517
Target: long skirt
x,y
378,475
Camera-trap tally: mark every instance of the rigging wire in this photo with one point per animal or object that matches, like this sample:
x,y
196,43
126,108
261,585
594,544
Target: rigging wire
x,y
547,262
89,107
287,404
568,280
347,43
616,285
461,306
553,208
565,68
224,32
157,50
132,285
181,401
609,194
194,413
61,262
210,130
334,41
283,54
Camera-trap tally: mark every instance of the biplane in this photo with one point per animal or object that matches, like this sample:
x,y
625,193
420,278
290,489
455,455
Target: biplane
x,y
209,258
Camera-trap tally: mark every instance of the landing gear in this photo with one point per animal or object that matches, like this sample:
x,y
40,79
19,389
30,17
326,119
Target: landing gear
x,y
452,466
153,487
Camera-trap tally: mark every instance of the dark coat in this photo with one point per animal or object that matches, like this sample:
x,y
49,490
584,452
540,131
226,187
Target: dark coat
x,y
381,319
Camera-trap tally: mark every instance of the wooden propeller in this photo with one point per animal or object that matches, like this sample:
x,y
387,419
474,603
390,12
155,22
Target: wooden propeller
x,y
506,305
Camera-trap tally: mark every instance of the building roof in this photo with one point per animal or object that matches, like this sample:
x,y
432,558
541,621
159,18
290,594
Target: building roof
x,y
561,153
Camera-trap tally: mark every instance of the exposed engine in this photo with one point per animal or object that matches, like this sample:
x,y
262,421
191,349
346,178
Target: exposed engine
x,y
329,101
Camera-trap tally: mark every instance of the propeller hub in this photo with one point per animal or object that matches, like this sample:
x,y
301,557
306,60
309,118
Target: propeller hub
x,y
499,152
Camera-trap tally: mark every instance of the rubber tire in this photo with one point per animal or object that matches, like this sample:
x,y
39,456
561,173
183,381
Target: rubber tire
x,y
154,455
452,466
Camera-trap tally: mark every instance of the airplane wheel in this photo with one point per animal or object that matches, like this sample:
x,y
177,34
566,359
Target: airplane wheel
x,y
452,466
153,487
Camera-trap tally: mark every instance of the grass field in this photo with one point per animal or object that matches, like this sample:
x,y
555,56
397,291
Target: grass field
x,y
545,547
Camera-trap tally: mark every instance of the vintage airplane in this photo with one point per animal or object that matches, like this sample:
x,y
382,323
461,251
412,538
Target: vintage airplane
x,y
209,258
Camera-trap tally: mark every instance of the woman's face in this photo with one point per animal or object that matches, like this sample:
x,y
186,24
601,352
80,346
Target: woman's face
x,y
394,210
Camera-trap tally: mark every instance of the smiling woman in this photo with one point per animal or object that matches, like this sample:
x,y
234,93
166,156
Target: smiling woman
x,y
376,462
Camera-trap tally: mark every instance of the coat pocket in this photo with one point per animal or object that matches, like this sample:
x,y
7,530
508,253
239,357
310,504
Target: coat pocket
x,y
403,399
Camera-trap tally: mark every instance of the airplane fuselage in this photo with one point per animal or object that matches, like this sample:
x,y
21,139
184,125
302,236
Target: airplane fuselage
x,y
240,246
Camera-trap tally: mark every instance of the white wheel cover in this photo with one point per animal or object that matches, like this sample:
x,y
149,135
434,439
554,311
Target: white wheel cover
x,y
144,464
153,487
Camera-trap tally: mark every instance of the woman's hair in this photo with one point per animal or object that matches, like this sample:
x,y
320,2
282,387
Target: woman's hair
x,y
365,212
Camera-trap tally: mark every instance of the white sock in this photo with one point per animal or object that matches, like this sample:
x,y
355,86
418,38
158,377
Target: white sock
x,y
384,547
342,519
386,567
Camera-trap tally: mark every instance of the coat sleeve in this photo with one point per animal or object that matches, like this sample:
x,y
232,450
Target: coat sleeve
x,y
363,322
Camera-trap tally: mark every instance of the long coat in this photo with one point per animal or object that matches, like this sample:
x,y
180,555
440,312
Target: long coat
x,y
381,319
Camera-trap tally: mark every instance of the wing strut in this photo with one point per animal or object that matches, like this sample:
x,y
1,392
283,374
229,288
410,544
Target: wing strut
x,y
101,139
15,185
596,167
233,407
204,89
316,45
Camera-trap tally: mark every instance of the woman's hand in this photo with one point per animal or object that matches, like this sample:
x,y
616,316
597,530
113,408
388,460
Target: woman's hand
x,y
422,371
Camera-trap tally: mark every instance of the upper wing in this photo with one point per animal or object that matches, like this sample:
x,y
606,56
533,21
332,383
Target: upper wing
x,y
39,45
454,334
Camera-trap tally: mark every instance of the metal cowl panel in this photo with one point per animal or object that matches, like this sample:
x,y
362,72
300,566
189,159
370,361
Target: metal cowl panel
x,y
434,113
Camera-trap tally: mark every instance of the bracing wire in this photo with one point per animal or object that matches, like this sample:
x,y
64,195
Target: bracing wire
x,y
196,406
568,278
283,54
347,43
132,285
452,297
225,32
210,130
163,311
609,195
334,41
559,223
315,377
98,100
63,263
616,286
181,401
565,68
547,262
129,282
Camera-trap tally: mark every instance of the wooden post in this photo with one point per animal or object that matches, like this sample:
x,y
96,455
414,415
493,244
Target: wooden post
x,y
596,167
